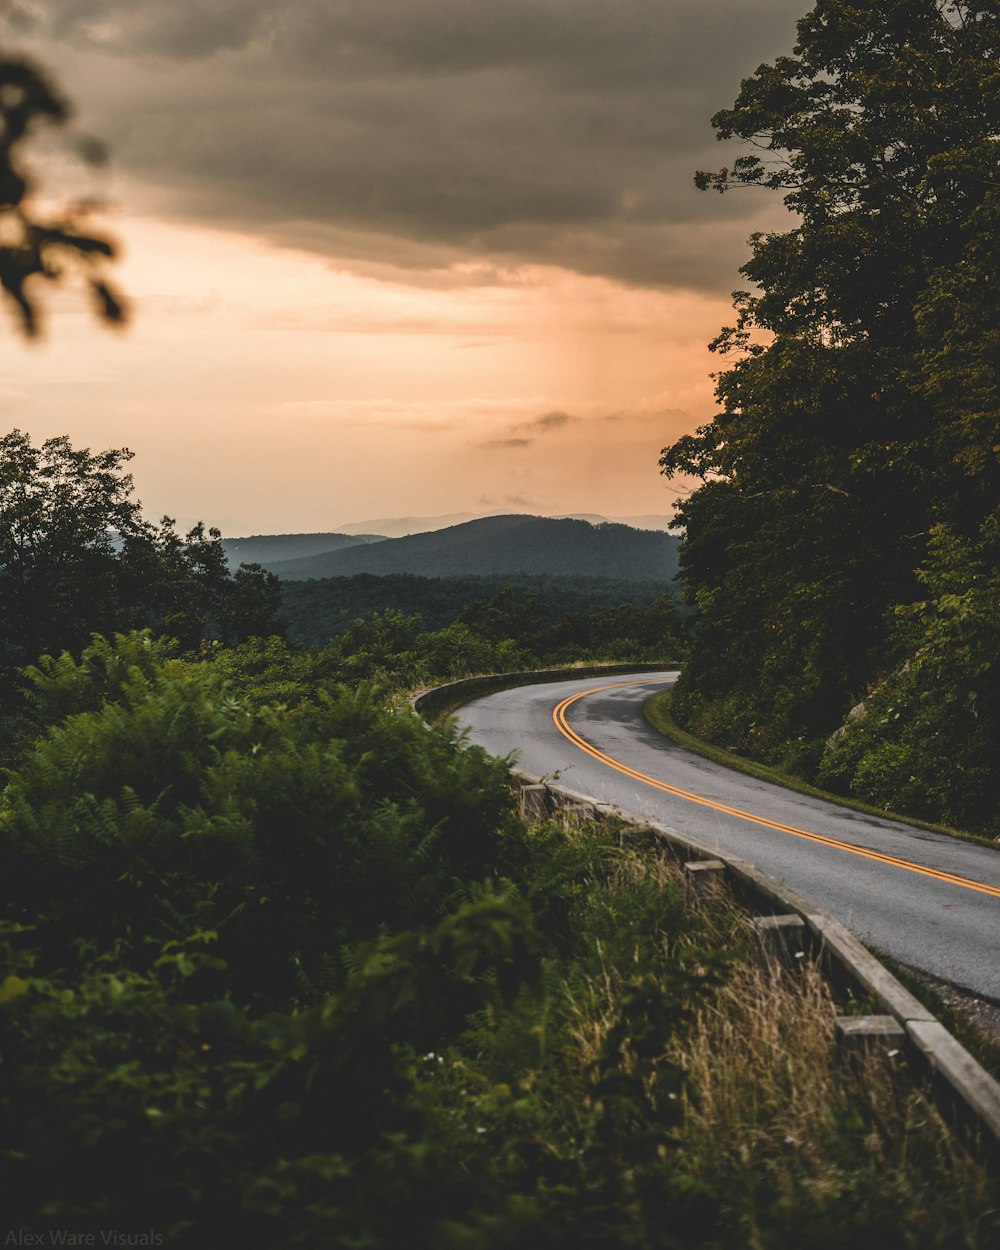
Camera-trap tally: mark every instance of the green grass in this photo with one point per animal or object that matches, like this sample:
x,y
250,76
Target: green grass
x,y
658,714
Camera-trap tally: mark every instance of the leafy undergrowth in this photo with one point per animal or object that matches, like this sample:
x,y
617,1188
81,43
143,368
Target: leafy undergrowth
x,y
658,712
291,973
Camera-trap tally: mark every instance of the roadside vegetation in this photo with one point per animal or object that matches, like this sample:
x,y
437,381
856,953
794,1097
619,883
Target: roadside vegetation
x,y
971,1019
282,967
658,711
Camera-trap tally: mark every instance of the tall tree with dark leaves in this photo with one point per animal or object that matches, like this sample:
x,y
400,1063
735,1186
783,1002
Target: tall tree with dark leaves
x,y
858,401
77,558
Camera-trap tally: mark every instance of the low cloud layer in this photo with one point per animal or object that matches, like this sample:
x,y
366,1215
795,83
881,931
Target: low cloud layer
x,y
544,424
547,421
505,444
420,133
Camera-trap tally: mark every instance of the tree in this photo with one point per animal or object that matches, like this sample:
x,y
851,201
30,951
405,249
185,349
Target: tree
x,y
251,605
77,558
60,512
838,442
183,587
34,250
506,616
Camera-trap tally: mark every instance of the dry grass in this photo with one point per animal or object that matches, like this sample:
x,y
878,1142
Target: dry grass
x,y
760,1058
691,1094
775,1108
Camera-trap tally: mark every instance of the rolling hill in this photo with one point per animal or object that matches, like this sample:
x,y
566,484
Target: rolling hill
x,y
267,548
502,544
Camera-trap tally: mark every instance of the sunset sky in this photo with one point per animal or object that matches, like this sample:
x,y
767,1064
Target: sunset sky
x,y
392,257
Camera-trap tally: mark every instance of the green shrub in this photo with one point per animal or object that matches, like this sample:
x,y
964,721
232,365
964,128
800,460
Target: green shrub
x,y
928,741
178,807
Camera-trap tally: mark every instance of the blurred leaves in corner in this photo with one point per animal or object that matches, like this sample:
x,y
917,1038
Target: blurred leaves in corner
x,y
33,249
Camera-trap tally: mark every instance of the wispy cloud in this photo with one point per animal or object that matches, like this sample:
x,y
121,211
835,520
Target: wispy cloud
x,y
495,444
533,426
547,421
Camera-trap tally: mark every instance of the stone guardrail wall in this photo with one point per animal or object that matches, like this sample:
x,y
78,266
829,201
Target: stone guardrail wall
x,y
790,919
440,700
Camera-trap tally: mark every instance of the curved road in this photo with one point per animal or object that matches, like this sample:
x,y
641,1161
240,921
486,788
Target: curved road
x,y
928,900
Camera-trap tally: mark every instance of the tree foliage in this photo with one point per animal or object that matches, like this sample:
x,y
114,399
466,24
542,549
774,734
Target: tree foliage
x,y
36,249
60,512
859,402
77,558
925,739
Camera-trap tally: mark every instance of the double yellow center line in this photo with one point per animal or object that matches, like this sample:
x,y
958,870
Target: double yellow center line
x,y
562,724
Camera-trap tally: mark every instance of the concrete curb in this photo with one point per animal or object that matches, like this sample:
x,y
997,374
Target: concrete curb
x,y
956,1075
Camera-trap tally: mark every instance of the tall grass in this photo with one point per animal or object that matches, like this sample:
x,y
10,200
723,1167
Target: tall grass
x,y
806,1149
738,1124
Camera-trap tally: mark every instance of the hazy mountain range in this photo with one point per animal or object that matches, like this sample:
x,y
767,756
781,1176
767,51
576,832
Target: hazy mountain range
x,y
485,545
268,548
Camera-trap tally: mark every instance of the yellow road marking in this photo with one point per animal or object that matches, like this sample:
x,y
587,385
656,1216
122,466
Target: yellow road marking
x,y
562,724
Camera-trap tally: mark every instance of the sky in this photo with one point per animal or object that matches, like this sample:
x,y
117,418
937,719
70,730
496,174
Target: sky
x,y
392,257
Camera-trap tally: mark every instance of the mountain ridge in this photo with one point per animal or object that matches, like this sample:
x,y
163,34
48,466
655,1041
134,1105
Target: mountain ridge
x,y
402,527
508,543
266,548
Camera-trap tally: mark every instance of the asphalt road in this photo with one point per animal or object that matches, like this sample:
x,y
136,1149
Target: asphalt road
x,y
909,910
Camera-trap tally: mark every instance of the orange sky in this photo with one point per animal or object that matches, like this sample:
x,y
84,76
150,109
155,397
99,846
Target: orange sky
x,y
265,390
483,341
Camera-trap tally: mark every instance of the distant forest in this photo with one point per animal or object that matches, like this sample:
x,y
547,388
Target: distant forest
x,y
316,611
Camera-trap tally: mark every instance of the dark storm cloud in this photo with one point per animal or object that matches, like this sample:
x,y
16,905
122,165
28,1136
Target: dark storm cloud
x,y
416,132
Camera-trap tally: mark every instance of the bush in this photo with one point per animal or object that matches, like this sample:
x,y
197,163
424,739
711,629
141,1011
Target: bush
x,y
176,806
928,743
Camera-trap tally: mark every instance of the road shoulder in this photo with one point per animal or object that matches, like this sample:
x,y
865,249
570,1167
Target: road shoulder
x,y
657,713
